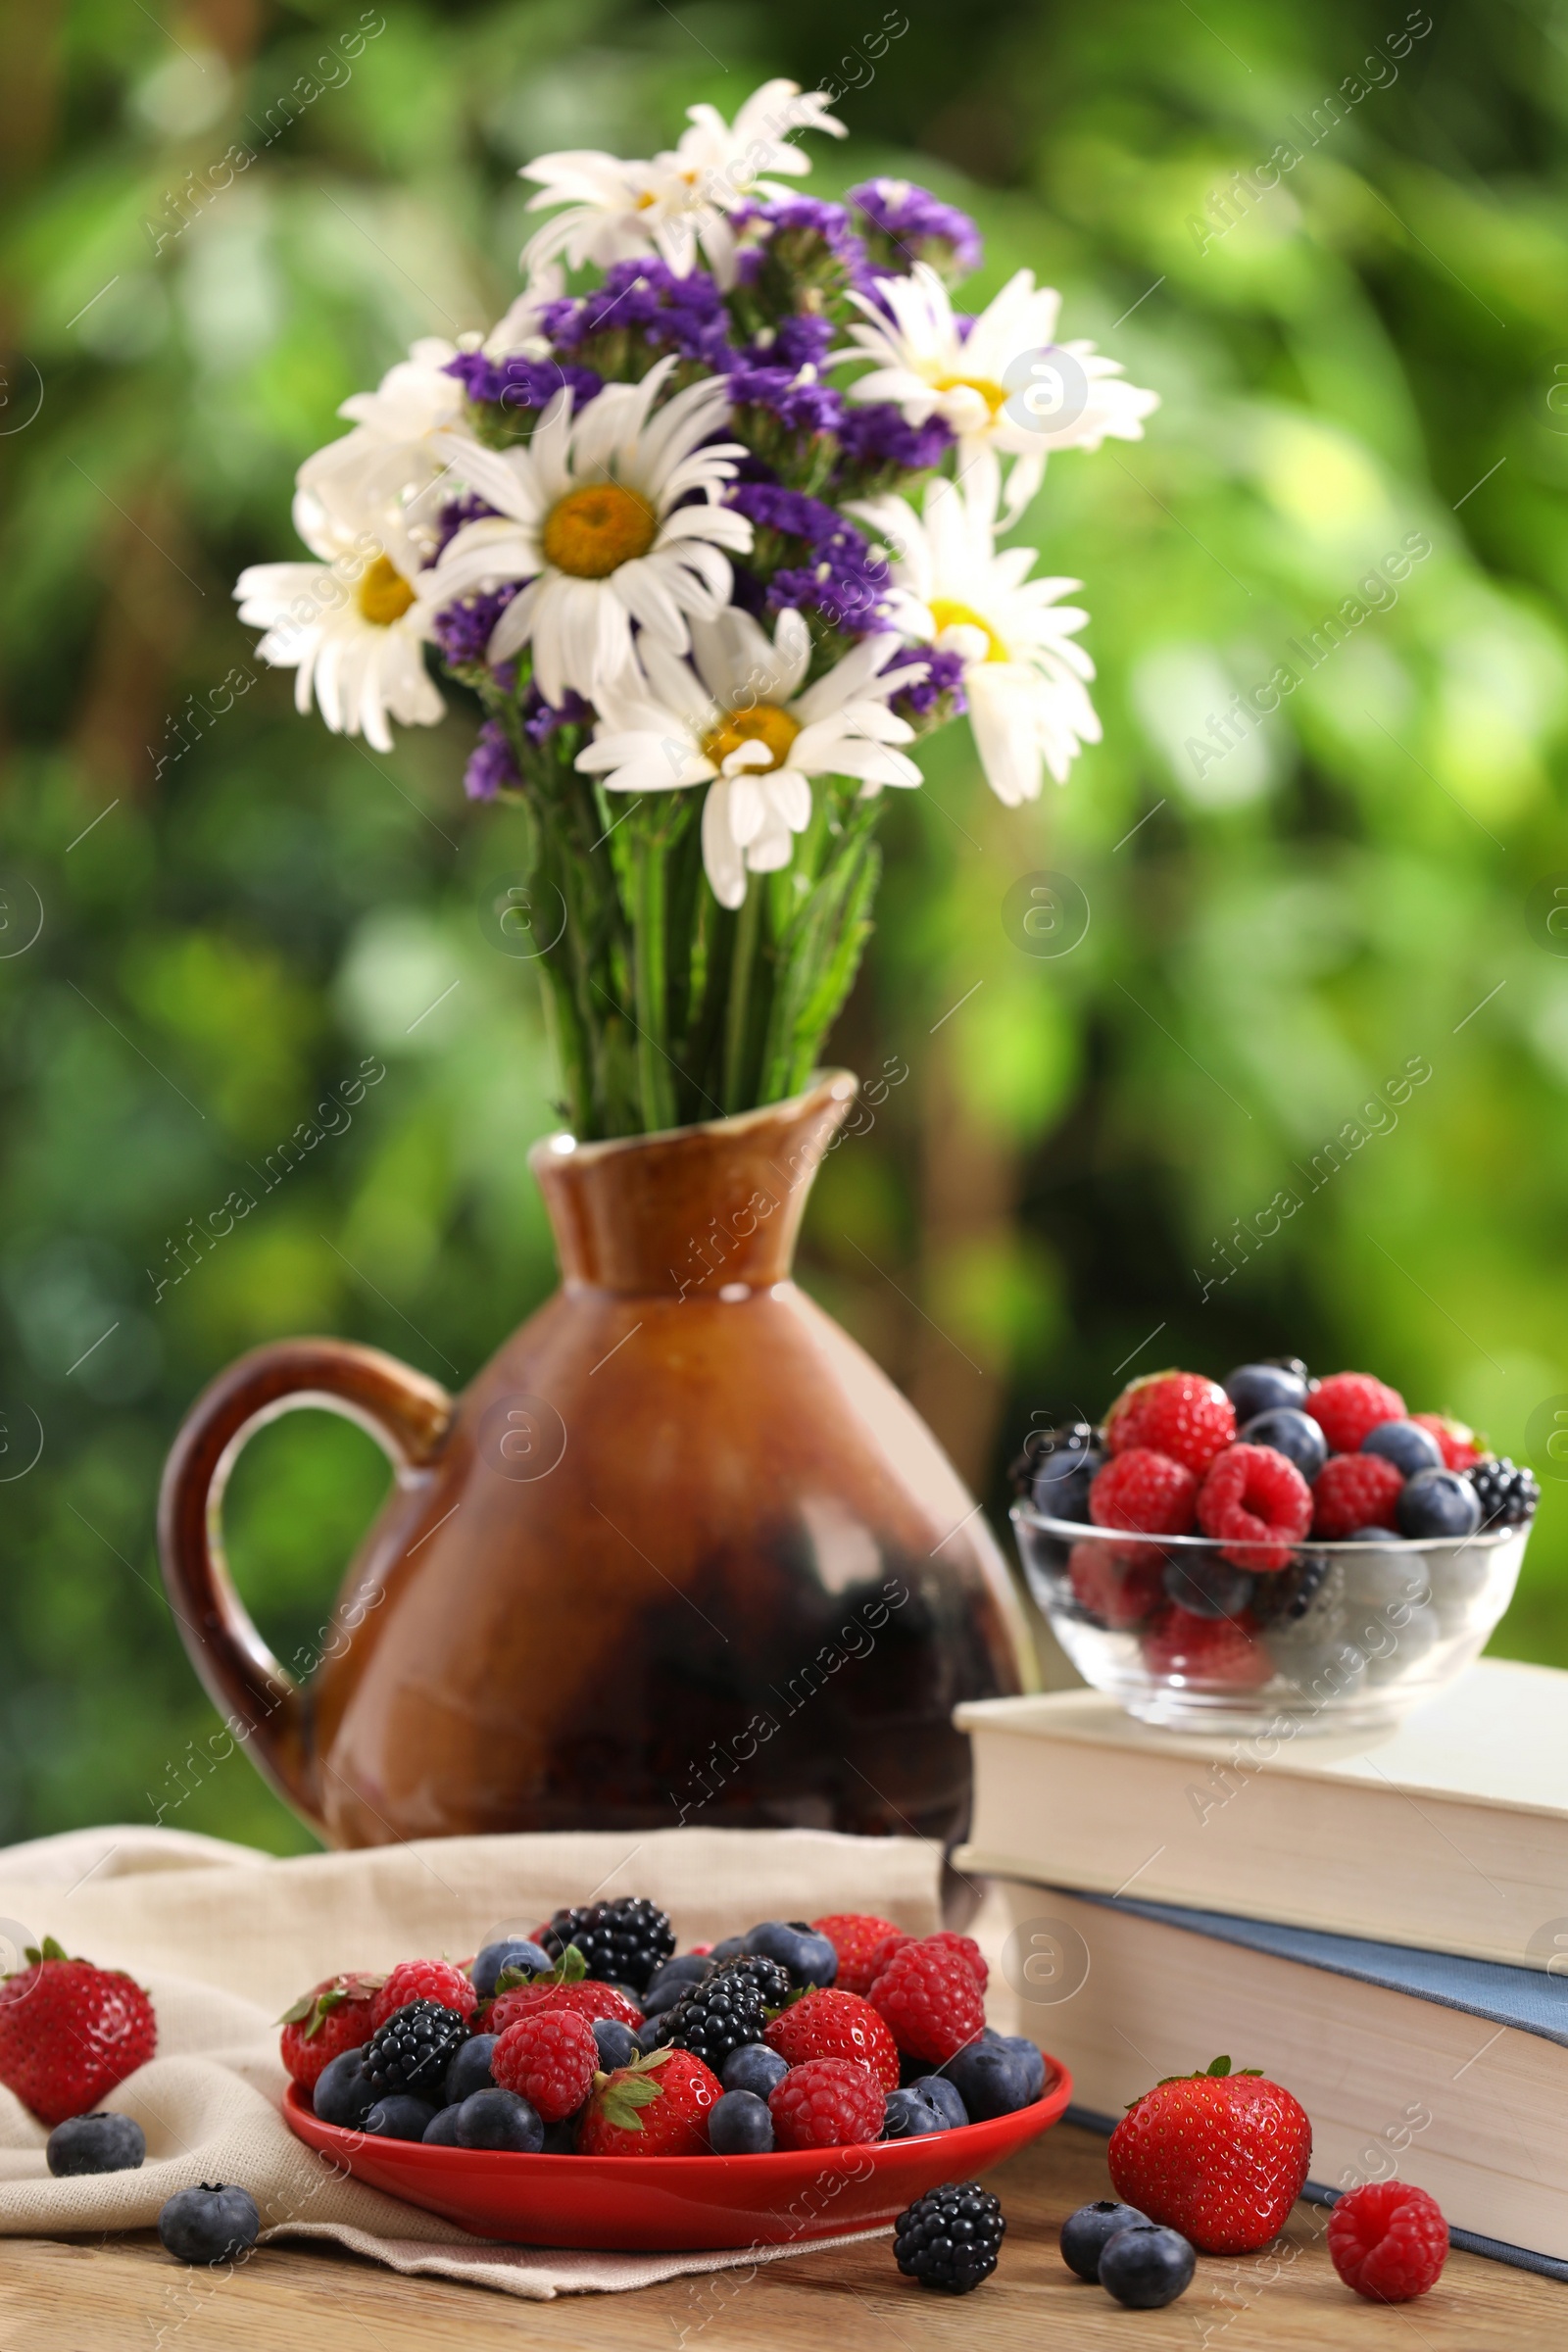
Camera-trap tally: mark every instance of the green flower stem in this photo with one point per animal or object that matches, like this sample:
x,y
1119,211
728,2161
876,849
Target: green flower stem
x,y
654,1074
737,1021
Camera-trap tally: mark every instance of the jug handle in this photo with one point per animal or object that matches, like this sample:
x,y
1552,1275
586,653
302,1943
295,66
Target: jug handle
x,y
406,1413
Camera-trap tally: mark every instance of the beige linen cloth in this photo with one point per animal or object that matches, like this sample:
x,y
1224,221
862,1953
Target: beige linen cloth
x,y
223,1938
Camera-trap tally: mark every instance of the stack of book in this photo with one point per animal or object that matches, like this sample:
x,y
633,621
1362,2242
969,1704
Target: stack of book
x,y
1379,1923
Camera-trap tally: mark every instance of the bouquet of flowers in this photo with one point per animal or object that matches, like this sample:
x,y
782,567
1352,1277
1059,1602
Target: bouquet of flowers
x,y
711,540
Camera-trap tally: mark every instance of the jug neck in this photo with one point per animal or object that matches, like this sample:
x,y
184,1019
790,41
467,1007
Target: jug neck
x,y
695,1210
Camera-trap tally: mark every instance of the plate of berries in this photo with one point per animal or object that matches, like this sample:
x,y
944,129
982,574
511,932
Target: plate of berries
x,y
591,2087
1270,1550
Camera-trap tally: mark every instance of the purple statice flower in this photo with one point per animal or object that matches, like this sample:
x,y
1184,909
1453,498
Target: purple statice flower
x,y
874,435
521,383
905,225
841,578
803,339
795,395
540,718
463,630
937,690
451,517
772,508
491,767
802,216
643,297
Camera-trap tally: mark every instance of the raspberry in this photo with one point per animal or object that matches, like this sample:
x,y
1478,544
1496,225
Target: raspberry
x,y
885,1951
1251,1491
1118,1595
1176,1413
1352,1490
1143,1492
423,1981
1207,1649
835,2025
1347,1405
589,1999
827,2103
967,1950
854,1936
1460,1450
550,2059
1387,2241
930,2001
334,2016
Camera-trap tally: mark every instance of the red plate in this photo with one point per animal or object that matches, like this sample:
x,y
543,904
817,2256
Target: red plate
x,y
666,2203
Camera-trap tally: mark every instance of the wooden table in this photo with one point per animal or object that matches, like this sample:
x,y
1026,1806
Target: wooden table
x,y
122,2294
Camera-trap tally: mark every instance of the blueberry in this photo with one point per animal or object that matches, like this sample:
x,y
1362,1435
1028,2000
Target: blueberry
x,y
810,1958
513,1952
910,2116
1294,1434
441,2131
1031,2056
1373,1534
499,2119
1209,1587
400,2116
469,2069
1057,1468
676,1977
646,2034
617,2044
1086,2234
342,2094
1437,1502
1404,1443
754,2067
740,2125
560,2139
991,2080
1145,2267
96,2143
733,1947
209,2224
1255,1389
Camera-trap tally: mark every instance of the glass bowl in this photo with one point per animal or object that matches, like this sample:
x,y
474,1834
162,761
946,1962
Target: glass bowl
x,y
1204,1637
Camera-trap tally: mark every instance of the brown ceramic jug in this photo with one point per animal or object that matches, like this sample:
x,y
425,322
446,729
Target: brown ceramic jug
x,y
681,1552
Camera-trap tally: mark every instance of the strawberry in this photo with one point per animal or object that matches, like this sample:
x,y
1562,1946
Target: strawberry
x,y
658,2106
854,1936
567,1986
832,2023
334,2016
1119,1594
1220,2157
1461,1449
1180,1414
1219,1650
71,2033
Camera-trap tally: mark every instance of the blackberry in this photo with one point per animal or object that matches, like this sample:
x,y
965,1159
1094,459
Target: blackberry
x,y
726,2010
623,1943
1508,1497
949,2238
411,2052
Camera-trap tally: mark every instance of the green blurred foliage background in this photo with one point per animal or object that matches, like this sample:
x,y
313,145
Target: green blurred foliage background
x,y
1373,347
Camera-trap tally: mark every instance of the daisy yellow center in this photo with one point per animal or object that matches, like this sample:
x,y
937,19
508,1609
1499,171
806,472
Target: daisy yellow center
x,y
384,594
995,396
950,616
764,723
591,532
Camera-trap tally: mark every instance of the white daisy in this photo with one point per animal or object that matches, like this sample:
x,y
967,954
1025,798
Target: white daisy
x,y
1071,397
351,627
740,723
390,456
1024,674
589,512
680,200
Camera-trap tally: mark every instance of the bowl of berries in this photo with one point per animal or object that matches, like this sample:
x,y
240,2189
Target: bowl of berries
x,y
1271,1549
591,2087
